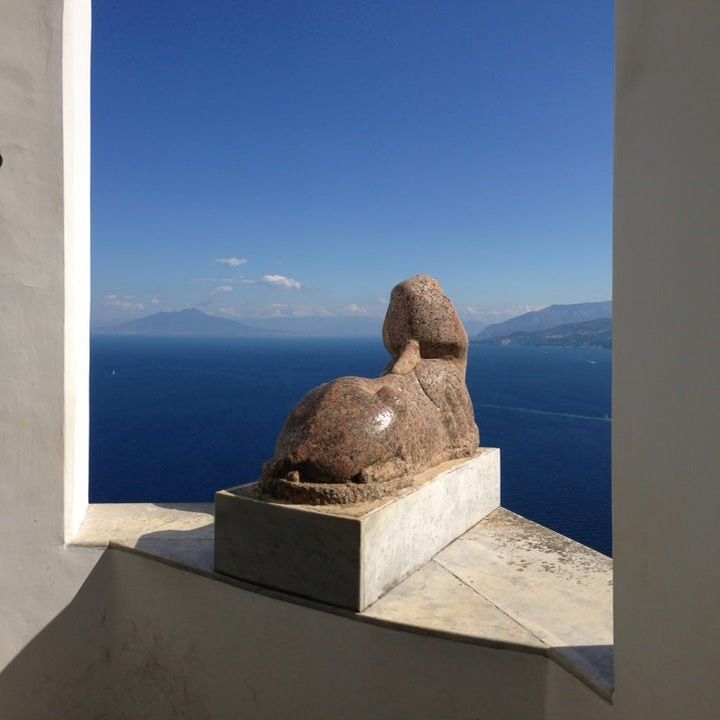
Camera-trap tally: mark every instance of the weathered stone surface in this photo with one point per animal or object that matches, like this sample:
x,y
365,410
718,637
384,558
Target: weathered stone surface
x,y
356,439
351,554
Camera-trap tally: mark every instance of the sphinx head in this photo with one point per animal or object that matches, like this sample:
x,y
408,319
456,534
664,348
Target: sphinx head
x,y
419,312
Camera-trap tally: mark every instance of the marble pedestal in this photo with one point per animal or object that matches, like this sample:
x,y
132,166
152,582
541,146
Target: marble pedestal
x,y
350,555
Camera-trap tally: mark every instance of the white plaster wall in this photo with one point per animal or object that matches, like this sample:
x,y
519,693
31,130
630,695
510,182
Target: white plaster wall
x,y
189,646
38,575
65,671
76,245
666,407
156,634
144,639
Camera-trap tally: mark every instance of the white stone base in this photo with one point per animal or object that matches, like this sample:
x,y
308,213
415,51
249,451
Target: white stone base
x,y
352,555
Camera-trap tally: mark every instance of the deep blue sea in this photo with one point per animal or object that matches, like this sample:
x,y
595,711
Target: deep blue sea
x,y
175,419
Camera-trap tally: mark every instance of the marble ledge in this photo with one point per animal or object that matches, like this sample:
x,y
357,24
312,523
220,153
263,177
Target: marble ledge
x,y
180,532
506,583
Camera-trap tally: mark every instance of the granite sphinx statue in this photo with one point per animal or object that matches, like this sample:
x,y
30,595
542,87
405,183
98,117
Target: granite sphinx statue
x,y
355,439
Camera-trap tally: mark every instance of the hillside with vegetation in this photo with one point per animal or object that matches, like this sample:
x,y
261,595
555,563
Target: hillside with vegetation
x,y
588,334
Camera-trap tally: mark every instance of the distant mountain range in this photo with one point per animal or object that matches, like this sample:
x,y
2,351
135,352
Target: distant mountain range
x,y
188,322
549,317
342,326
195,322
587,334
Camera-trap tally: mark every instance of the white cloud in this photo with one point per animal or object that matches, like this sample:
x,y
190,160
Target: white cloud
x,y
231,261
222,290
308,311
286,310
155,301
354,310
125,303
237,280
277,310
280,281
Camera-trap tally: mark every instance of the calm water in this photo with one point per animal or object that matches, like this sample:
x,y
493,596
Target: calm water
x,y
174,419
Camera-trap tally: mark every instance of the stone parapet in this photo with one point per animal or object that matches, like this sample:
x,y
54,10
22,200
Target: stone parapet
x,y
350,555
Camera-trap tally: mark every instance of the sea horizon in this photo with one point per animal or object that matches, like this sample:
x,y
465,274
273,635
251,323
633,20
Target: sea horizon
x,y
174,419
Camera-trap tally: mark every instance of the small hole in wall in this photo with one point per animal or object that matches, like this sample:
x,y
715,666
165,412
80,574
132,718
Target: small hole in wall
x,y
1,161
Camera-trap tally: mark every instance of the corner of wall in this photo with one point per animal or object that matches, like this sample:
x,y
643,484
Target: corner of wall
x,y
76,181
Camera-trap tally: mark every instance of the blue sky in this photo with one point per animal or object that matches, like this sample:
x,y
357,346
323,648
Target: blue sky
x,y
299,158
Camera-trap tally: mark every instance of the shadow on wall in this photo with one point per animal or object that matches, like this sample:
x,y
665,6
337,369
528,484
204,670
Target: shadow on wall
x,y
65,671
144,639
69,669
593,664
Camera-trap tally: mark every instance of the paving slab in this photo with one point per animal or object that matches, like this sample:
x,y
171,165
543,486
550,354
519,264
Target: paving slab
x,y
434,599
558,589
